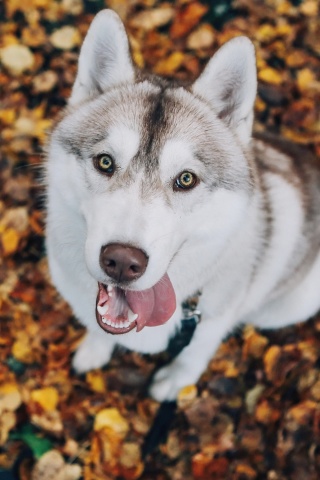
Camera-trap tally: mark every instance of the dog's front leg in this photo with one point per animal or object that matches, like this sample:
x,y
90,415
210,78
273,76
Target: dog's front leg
x,y
94,352
192,361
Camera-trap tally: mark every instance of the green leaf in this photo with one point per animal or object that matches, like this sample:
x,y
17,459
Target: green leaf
x,y
36,443
16,366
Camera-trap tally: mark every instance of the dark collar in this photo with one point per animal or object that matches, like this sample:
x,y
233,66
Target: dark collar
x,y
183,336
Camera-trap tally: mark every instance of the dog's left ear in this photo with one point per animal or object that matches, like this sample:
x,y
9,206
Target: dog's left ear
x,y
229,84
104,59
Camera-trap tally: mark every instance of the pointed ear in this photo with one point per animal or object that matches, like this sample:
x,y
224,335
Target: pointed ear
x,y
229,84
104,59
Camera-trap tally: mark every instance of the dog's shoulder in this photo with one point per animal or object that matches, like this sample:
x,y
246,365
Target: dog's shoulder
x,y
280,156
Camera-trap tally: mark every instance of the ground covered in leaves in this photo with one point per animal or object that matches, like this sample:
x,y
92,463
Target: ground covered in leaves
x,y
255,413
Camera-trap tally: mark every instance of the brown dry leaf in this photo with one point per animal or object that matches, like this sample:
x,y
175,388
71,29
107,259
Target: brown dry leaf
x,y
271,360
187,18
244,471
255,343
49,421
34,36
266,414
10,397
7,423
45,81
130,460
205,467
151,19
315,391
303,412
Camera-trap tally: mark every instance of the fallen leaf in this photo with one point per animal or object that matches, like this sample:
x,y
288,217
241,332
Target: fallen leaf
x,y
51,466
169,65
270,75
17,59
187,18
202,37
111,418
47,397
65,38
151,19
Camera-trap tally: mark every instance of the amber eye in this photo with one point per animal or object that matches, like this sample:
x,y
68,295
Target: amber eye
x,y
104,163
185,181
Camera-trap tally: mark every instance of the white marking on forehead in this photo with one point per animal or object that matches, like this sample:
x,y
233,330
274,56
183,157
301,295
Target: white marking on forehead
x,y
122,143
176,156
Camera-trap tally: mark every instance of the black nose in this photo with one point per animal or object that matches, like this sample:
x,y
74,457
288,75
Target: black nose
x,y
122,262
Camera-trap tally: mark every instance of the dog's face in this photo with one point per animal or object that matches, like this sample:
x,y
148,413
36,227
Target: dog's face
x,y
158,172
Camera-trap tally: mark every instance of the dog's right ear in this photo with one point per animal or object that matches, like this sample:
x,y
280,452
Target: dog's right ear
x,y
104,59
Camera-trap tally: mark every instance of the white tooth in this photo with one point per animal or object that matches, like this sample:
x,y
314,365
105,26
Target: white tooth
x,y
126,323
104,320
132,316
108,321
103,309
110,288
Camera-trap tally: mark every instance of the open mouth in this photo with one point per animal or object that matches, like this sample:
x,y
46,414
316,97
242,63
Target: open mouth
x,y
119,311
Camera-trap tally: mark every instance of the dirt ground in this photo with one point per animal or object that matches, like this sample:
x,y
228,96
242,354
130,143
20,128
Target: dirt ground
x,y
255,413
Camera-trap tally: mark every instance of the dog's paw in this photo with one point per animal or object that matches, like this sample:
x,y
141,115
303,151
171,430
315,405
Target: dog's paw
x,y
168,381
94,352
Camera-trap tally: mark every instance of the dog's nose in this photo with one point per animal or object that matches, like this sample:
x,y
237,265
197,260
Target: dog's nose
x,y
122,262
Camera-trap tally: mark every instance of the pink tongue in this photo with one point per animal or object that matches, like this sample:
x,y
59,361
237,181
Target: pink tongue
x,y
155,305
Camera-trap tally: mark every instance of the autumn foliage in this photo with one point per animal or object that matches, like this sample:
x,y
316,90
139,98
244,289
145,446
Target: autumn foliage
x,y
255,413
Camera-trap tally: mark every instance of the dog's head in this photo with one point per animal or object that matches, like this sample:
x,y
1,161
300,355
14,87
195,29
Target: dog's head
x,y
158,172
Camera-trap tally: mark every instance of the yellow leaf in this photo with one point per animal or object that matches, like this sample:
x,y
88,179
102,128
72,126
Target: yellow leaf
x,y
270,75
46,397
10,241
170,64
7,115
22,351
266,33
111,418
96,381
305,78
42,126
187,395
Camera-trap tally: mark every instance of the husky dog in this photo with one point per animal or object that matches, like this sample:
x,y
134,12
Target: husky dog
x,y
158,190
